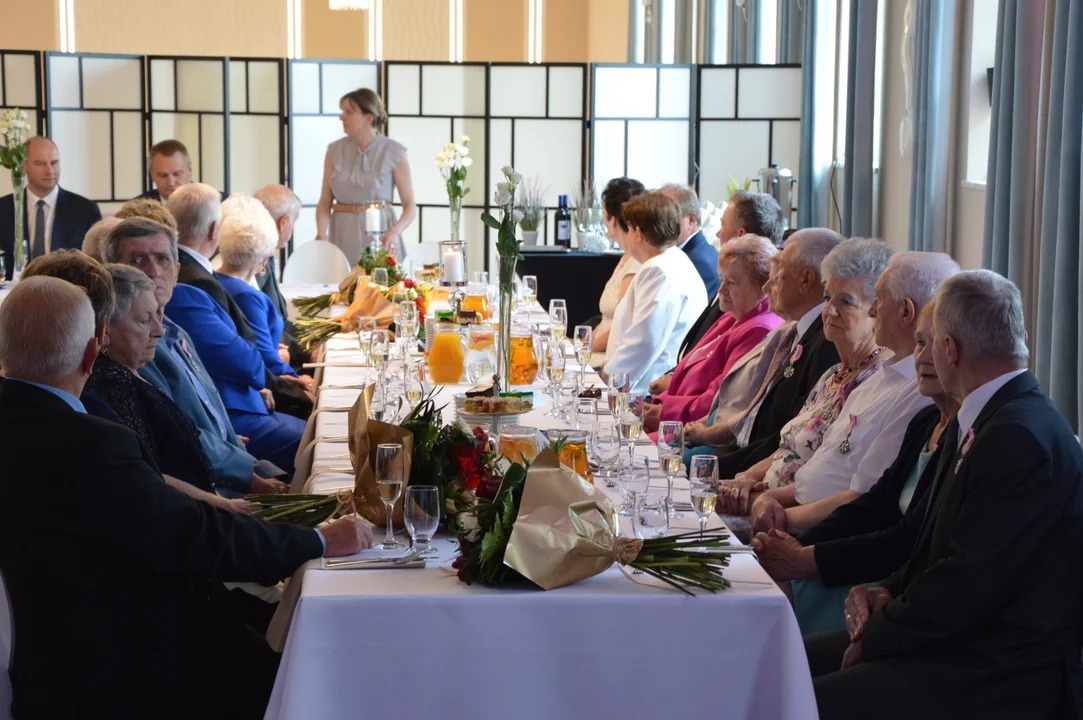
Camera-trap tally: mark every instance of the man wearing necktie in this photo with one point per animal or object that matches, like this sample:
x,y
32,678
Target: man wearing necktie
x,y
54,218
983,620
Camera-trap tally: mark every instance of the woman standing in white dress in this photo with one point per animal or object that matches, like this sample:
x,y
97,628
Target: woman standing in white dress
x,y
360,169
617,192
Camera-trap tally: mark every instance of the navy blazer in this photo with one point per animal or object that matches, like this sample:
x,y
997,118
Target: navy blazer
x,y
705,258
73,216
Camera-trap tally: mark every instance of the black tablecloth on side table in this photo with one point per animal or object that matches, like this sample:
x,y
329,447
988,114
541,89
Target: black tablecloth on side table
x,y
577,276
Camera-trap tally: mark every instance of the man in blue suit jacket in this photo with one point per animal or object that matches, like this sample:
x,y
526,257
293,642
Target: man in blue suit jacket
x,y
65,216
691,240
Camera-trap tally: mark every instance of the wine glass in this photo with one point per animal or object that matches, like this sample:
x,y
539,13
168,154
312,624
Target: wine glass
x,y
421,513
631,422
380,351
605,446
583,342
704,498
482,277
558,323
379,277
365,326
633,482
704,470
412,387
406,325
567,394
586,414
650,516
671,451
554,370
390,459
529,292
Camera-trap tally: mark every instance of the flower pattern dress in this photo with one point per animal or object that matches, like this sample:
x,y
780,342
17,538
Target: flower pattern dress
x,y
802,436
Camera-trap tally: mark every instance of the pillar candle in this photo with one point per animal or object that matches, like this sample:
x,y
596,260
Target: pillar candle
x,y
453,266
374,219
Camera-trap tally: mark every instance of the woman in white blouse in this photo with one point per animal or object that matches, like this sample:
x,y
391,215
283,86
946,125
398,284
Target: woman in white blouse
x,y
617,192
663,300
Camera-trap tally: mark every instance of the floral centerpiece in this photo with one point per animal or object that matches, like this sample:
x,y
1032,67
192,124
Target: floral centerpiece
x,y
507,249
14,139
453,162
366,299
312,306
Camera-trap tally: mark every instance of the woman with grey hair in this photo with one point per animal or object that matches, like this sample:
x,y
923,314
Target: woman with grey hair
x,y
850,272
130,341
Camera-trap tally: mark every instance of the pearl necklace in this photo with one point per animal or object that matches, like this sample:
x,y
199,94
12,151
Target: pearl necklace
x,y
846,373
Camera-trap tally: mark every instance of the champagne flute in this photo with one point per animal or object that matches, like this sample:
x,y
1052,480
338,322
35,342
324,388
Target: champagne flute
x,y
380,351
671,451
379,276
390,459
421,513
631,423
530,291
650,518
704,499
365,326
583,342
586,414
406,325
567,394
605,446
558,324
633,482
554,370
704,470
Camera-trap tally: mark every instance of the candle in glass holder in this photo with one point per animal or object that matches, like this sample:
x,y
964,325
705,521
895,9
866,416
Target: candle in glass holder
x,y
453,263
374,219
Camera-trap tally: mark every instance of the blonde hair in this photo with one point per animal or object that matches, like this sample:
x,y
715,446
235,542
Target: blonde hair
x,y
148,208
368,102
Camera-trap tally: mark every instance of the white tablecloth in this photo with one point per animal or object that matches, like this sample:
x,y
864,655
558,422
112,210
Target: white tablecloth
x,y
421,644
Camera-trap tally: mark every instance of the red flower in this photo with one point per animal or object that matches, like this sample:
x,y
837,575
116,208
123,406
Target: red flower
x,y
408,283
481,436
390,261
468,460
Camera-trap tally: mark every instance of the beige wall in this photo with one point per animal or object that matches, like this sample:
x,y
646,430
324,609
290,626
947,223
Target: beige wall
x,y
191,27
494,30
566,37
416,30
29,25
327,33
607,23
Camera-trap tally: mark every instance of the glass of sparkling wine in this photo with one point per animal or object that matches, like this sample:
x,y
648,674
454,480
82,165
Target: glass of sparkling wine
x,y
380,351
704,470
671,451
529,291
554,365
558,324
583,342
704,498
421,513
390,459
631,423
365,326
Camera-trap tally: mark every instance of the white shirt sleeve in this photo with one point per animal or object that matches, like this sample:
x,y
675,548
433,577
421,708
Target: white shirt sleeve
x,y
885,447
655,311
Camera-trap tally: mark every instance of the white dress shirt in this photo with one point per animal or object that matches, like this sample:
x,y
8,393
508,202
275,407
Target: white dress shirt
x,y
744,428
976,401
663,302
873,422
32,216
203,262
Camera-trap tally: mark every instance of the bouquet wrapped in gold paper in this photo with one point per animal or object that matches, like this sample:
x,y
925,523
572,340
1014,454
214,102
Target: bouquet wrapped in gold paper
x,y
367,299
551,527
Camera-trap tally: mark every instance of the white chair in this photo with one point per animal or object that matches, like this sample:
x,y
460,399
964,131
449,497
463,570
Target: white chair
x,y
424,253
7,650
316,263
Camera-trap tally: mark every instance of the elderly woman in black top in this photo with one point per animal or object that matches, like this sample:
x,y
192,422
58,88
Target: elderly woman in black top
x,y
131,338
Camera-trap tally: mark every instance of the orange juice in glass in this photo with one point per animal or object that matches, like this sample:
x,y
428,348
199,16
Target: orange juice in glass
x,y
477,299
573,454
447,356
518,443
524,359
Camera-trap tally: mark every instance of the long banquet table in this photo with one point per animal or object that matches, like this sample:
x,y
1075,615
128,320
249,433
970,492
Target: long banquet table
x,y
418,643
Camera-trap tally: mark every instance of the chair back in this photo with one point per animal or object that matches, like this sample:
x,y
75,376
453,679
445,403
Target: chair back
x,y
424,253
7,650
316,263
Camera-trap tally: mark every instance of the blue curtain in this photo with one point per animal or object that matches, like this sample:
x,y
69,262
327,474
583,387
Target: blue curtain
x,y
791,31
744,31
857,195
934,49
1059,350
817,114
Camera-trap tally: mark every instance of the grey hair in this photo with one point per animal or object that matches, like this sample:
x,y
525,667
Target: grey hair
x,y
45,325
685,197
812,246
249,235
864,259
755,251
983,311
92,241
759,214
196,207
918,275
280,201
135,227
127,283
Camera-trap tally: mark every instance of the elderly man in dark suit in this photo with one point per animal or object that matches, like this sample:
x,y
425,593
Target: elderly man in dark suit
x,y
148,560
984,619
53,218
691,239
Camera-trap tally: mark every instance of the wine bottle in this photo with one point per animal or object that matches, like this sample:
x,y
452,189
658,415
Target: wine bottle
x,y
563,229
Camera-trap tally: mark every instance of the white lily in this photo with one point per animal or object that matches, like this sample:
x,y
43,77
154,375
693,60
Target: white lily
x,y
508,170
516,215
464,140
515,178
501,198
467,162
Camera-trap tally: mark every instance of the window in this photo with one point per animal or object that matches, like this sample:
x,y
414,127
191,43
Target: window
x,y
982,29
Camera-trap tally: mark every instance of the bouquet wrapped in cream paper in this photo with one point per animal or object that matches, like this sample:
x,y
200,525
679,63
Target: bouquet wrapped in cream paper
x,y
552,527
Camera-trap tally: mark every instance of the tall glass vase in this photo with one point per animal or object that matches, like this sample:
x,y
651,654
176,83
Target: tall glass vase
x,y
20,249
455,205
507,287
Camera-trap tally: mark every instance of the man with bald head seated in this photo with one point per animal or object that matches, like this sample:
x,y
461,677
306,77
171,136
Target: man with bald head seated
x,y
53,217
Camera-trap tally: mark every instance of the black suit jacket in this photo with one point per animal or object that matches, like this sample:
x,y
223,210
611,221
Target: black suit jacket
x,y
865,540
153,194
986,614
268,284
72,218
703,323
147,629
781,403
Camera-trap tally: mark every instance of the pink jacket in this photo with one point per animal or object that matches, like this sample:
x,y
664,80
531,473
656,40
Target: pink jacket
x,y
698,375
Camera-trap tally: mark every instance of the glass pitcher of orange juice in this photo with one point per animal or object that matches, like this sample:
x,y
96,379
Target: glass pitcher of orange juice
x,y
573,454
518,443
524,359
447,354
477,299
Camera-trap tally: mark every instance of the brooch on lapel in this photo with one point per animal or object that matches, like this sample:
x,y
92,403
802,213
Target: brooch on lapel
x,y
794,357
184,348
844,446
966,448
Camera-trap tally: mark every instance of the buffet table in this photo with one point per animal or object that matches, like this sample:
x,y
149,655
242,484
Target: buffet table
x,y
420,643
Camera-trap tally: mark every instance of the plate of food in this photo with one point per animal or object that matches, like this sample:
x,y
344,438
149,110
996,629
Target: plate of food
x,y
484,400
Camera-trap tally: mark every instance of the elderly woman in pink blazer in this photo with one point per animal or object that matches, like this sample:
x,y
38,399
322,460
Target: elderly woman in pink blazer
x,y
743,268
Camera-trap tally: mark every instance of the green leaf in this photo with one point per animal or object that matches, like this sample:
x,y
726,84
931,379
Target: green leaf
x,y
490,221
